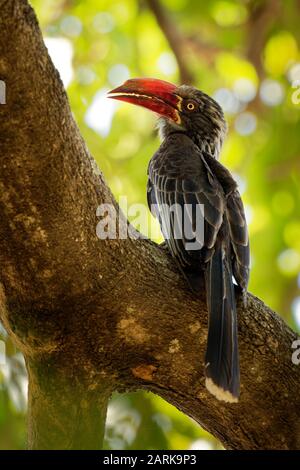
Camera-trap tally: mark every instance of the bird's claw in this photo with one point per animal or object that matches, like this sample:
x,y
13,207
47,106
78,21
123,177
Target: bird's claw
x,y
164,246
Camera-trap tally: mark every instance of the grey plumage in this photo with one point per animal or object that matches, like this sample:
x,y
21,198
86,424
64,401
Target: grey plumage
x,y
185,170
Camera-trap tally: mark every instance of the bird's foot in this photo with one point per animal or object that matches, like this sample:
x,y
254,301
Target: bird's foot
x,y
244,298
241,296
164,246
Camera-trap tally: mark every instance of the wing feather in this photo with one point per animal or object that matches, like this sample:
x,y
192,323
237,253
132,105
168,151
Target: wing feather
x,y
185,186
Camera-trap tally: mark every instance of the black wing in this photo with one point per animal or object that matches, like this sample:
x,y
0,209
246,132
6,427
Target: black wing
x,y
235,215
239,239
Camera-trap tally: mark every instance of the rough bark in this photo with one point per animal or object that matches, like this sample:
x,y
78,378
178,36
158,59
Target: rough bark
x,y
94,316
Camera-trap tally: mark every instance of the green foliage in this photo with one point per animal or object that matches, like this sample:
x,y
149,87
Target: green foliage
x,y
111,40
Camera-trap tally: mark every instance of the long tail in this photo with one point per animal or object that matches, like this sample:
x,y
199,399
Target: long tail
x,y
222,357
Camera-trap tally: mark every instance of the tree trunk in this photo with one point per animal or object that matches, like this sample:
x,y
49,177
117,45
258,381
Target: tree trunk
x,y
93,316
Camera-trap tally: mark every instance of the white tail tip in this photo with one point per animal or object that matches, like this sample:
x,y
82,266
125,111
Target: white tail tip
x,y
220,393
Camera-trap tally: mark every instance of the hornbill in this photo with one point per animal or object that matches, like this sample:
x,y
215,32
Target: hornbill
x,y
185,173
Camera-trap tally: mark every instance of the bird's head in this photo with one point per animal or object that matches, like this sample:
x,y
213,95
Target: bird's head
x,y
179,107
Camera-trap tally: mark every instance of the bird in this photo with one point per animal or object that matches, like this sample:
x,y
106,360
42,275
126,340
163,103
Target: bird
x,y
213,242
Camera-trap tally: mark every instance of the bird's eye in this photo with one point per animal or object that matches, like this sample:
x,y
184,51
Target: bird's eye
x,y
190,106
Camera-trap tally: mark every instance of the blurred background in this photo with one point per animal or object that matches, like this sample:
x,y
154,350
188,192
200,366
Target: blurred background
x,y
246,55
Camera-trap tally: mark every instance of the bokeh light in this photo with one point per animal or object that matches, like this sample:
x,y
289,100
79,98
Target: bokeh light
x,y
245,123
71,26
271,92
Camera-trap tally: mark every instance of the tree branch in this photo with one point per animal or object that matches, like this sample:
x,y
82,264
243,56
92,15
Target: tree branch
x,y
174,38
204,50
261,18
94,316
179,43
262,15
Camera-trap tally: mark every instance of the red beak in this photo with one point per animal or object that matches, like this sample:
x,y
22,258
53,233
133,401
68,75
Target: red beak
x,y
157,95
